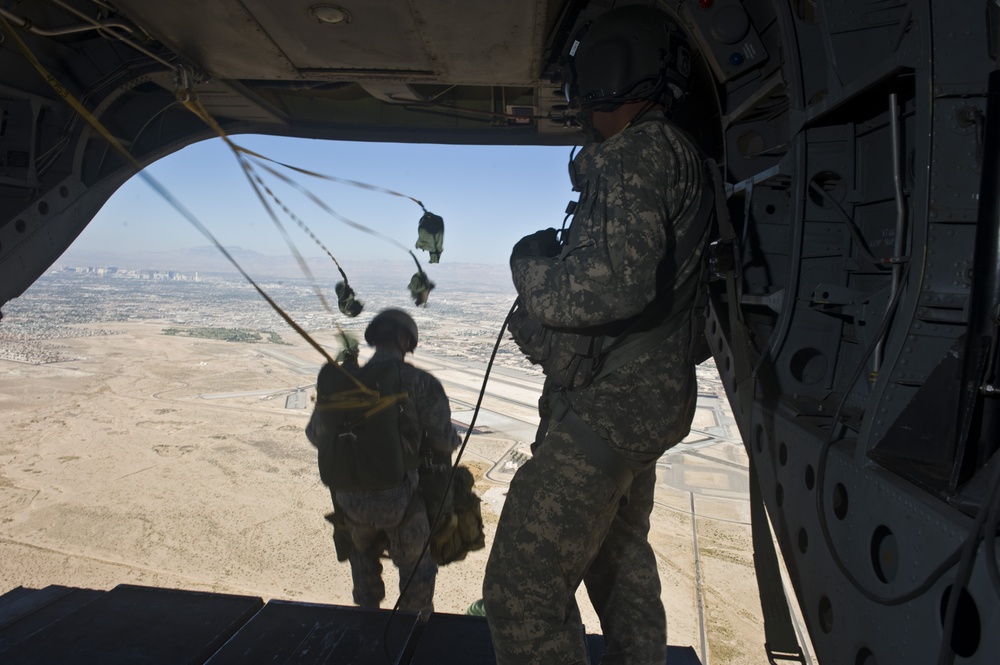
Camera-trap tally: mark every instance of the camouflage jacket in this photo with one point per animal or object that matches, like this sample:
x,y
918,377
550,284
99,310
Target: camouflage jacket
x,y
640,196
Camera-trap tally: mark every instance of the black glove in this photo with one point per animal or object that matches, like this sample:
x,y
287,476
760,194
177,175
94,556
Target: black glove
x,y
543,244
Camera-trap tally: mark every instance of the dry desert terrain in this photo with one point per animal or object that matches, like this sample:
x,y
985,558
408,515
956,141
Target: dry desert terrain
x,y
172,461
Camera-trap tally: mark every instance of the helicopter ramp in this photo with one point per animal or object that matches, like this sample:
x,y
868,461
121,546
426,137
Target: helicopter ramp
x,y
153,626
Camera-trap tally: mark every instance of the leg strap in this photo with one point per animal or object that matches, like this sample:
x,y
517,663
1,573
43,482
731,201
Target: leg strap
x,y
596,449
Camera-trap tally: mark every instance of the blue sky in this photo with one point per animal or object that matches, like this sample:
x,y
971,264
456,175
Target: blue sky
x,y
489,197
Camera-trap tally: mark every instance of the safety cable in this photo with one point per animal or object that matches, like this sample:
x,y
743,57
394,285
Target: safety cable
x,y
859,241
949,561
451,478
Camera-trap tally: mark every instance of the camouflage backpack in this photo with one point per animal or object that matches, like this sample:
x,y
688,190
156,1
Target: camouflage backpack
x,y
463,532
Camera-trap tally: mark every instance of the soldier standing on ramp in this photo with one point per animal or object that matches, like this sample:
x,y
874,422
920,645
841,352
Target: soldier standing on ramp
x,y
382,448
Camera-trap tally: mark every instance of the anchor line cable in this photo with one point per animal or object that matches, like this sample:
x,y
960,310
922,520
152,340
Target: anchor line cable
x,y
326,208
258,185
162,191
198,109
821,469
248,157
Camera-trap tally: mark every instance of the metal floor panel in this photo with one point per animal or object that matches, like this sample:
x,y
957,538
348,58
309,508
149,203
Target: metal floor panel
x,y
454,639
24,612
152,626
135,625
675,655
304,633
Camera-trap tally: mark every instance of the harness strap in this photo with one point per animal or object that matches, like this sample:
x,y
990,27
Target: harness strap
x,y
627,347
740,335
596,449
637,344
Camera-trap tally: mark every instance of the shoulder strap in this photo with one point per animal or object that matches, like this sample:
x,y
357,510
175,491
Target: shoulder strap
x,y
661,320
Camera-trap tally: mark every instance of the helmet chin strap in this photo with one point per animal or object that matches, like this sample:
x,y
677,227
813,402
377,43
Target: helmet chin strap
x,y
643,111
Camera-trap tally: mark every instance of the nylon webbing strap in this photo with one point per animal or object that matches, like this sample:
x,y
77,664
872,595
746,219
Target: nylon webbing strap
x,y
593,446
740,339
780,641
635,345
629,346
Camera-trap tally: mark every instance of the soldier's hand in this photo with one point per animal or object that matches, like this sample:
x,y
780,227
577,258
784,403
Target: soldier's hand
x,y
544,243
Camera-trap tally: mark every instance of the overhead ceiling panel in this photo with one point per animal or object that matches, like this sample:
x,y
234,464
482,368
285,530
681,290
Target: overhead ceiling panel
x,y
448,41
378,35
220,36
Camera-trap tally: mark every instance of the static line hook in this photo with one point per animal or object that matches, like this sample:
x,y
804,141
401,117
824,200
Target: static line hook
x,y
183,80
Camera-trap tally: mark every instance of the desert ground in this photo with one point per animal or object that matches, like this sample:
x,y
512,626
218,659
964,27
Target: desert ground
x,y
180,462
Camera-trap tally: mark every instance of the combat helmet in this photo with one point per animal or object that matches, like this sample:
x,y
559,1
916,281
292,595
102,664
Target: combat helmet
x,y
386,323
629,53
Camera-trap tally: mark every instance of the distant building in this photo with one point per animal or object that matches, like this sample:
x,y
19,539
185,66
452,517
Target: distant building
x,y
297,400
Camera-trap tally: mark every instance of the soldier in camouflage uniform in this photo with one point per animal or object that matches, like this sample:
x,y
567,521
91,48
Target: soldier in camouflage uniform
x,y
394,518
611,307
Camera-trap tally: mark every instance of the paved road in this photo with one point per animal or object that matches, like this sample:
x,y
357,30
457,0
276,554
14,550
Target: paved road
x,y
710,463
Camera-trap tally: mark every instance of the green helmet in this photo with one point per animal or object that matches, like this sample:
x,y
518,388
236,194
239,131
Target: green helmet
x,y
629,53
385,324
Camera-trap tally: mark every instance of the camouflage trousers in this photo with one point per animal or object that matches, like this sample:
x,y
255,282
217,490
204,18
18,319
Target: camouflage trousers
x,y
386,520
564,523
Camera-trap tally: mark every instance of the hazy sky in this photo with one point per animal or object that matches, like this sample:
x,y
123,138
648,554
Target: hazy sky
x,y
489,197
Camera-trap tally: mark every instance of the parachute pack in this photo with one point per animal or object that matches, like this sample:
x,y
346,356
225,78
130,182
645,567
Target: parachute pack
x,y
364,451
